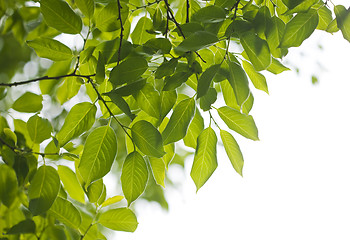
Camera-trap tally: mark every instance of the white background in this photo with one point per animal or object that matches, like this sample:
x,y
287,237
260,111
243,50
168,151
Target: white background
x,y
296,178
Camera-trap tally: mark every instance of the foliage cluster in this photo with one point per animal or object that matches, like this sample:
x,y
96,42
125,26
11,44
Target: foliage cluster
x,y
138,79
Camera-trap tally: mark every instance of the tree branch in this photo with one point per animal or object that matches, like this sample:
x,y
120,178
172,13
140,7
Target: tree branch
x,y
121,31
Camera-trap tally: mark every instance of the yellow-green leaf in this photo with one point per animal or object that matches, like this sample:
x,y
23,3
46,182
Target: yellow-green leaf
x,y
51,49
232,150
120,219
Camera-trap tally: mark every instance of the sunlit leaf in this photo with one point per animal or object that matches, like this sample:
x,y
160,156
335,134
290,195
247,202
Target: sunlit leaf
x,y
112,200
205,161
147,138
205,79
233,151
66,212
80,119
120,219
99,152
58,14
108,19
43,189
258,80
158,170
324,18
141,34
299,28
95,190
29,103
241,123
343,20
197,41
87,7
39,129
209,14
277,67
195,128
208,99
179,121
71,184
134,176
167,101
8,185
51,49
149,100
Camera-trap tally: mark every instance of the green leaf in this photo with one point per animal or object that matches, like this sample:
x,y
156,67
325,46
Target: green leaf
x,y
179,121
170,153
79,119
8,185
343,20
110,50
28,103
209,14
166,68
121,103
95,190
299,28
128,71
324,18
208,99
248,105
205,161
87,7
51,49
23,227
134,176
108,19
332,27
159,45
274,32
148,100
257,50
205,79
39,129
195,128
141,34
158,170
258,80
70,183
43,189
59,15
292,3
120,219
238,81
112,200
176,80
229,95
128,89
167,101
277,67
99,152
241,123
233,151
100,69
197,41
303,6
147,138
66,212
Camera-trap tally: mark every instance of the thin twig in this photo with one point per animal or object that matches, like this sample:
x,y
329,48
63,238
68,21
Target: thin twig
x,y
121,31
187,11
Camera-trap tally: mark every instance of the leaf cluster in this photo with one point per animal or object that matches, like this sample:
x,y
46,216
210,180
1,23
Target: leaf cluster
x,y
143,77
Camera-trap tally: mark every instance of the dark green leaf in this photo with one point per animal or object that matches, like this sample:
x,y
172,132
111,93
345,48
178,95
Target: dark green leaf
x,y
257,50
8,185
208,99
28,103
51,49
166,68
179,121
343,20
197,41
80,119
233,151
134,176
241,123
159,45
99,152
209,14
205,80
148,139
43,189
100,69
128,71
120,219
110,50
176,80
205,161
129,89
66,212
23,227
299,28
167,101
274,33
39,129
303,6
121,103
59,15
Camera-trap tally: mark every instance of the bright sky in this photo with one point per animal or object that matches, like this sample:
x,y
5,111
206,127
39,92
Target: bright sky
x,y
296,178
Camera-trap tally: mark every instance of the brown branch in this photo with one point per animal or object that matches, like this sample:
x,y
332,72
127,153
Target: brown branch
x,y
15,84
144,6
121,31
